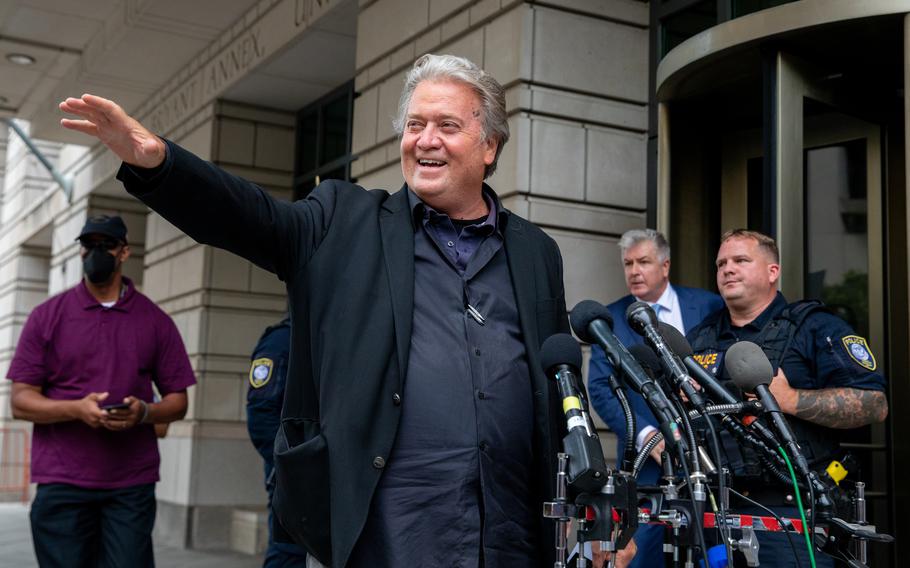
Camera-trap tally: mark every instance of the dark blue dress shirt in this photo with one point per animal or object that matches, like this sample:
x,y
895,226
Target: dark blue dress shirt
x,y
457,485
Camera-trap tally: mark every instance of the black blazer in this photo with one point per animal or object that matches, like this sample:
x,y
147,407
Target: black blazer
x,y
347,258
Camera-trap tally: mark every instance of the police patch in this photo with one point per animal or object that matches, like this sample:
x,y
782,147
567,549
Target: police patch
x,y
859,351
707,360
260,372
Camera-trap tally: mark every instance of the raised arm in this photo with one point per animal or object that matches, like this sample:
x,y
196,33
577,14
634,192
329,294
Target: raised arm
x,y
123,134
209,204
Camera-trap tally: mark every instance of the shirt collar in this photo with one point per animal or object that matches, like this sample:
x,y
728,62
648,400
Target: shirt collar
x,y
421,211
123,303
667,299
763,318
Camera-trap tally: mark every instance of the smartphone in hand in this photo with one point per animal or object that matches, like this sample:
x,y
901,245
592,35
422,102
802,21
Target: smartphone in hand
x,y
118,406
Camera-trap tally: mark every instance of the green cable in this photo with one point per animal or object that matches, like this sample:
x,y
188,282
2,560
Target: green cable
x,y
799,503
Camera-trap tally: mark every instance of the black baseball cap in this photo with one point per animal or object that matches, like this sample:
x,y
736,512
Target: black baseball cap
x,y
107,225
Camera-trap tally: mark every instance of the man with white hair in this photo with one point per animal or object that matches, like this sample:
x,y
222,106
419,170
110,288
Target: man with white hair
x,y
418,428
646,263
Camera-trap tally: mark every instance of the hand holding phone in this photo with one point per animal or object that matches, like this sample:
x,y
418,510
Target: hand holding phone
x,y
118,406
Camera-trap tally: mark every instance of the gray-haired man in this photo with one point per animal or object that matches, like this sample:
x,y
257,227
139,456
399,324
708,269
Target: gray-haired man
x,y
411,432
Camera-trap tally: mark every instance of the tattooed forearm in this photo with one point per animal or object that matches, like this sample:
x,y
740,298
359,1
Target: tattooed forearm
x,y
841,407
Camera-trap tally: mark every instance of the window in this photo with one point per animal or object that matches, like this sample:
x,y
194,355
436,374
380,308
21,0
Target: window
x,y
323,146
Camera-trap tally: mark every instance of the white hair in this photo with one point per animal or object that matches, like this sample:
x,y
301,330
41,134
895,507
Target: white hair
x,y
631,238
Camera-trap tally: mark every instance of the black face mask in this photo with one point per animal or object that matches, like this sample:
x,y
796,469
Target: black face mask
x,y
99,265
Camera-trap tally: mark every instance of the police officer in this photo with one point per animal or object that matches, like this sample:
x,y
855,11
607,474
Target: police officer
x,y
826,377
268,372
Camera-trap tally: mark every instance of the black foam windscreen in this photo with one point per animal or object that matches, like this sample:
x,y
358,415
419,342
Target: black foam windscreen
x,y
583,314
748,366
639,315
647,359
675,340
560,349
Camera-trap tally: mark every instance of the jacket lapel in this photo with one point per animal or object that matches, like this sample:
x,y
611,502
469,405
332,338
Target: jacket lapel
x,y
521,268
397,234
690,315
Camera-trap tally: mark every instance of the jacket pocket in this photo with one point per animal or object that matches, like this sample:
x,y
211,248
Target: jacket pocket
x,y
301,501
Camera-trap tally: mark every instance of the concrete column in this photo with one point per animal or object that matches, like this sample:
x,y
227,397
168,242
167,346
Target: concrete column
x,y
221,303
5,133
25,179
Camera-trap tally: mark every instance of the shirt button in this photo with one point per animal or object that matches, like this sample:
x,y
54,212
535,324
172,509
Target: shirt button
x,y
477,351
450,244
379,462
481,395
483,446
396,399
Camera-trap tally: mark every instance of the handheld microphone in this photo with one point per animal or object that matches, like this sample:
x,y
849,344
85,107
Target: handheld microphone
x,y
560,357
643,320
592,323
750,369
681,347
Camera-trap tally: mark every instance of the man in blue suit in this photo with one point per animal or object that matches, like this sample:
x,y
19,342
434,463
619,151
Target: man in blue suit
x,y
646,263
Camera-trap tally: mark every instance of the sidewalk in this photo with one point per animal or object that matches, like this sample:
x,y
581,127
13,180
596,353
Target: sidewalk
x,y
16,547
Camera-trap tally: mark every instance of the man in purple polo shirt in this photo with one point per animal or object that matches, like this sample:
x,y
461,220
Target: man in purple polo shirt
x,y
83,373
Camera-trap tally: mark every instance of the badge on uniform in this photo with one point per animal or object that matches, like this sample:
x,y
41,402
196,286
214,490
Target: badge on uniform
x,y
261,372
708,360
859,351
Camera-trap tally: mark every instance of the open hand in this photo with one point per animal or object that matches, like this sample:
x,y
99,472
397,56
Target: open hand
x,y
124,135
785,394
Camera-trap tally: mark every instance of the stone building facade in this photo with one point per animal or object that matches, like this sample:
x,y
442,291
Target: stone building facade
x,y
577,80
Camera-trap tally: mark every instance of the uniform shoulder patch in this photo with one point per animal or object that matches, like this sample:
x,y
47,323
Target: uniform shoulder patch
x,y
859,351
261,372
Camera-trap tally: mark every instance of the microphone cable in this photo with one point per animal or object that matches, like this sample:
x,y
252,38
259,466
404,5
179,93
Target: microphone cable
x,y
787,526
799,504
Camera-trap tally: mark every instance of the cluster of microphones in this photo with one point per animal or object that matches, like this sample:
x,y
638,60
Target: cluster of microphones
x,y
679,391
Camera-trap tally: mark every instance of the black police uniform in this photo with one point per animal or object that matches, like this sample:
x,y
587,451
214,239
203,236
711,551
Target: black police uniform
x,y
817,350
268,373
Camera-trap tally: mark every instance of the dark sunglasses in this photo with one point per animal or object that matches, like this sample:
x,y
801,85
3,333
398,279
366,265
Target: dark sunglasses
x,y
106,244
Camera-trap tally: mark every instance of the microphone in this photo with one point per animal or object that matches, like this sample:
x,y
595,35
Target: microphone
x,y
648,361
592,323
652,365
560,357
680,345
643,320
750,369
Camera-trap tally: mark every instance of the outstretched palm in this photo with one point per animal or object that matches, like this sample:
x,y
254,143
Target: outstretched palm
x,y
124,135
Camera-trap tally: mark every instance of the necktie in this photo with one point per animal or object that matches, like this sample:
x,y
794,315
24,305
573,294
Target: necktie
x,y
656,308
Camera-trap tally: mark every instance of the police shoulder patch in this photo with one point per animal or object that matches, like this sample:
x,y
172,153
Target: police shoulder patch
x,y
261,372
859,351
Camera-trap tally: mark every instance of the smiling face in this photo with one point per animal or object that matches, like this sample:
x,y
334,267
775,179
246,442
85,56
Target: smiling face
x,y
746,274
443,151
646,275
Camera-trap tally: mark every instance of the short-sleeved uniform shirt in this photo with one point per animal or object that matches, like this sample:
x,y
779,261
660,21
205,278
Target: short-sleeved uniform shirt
x,y
265,395
72,346
825,352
